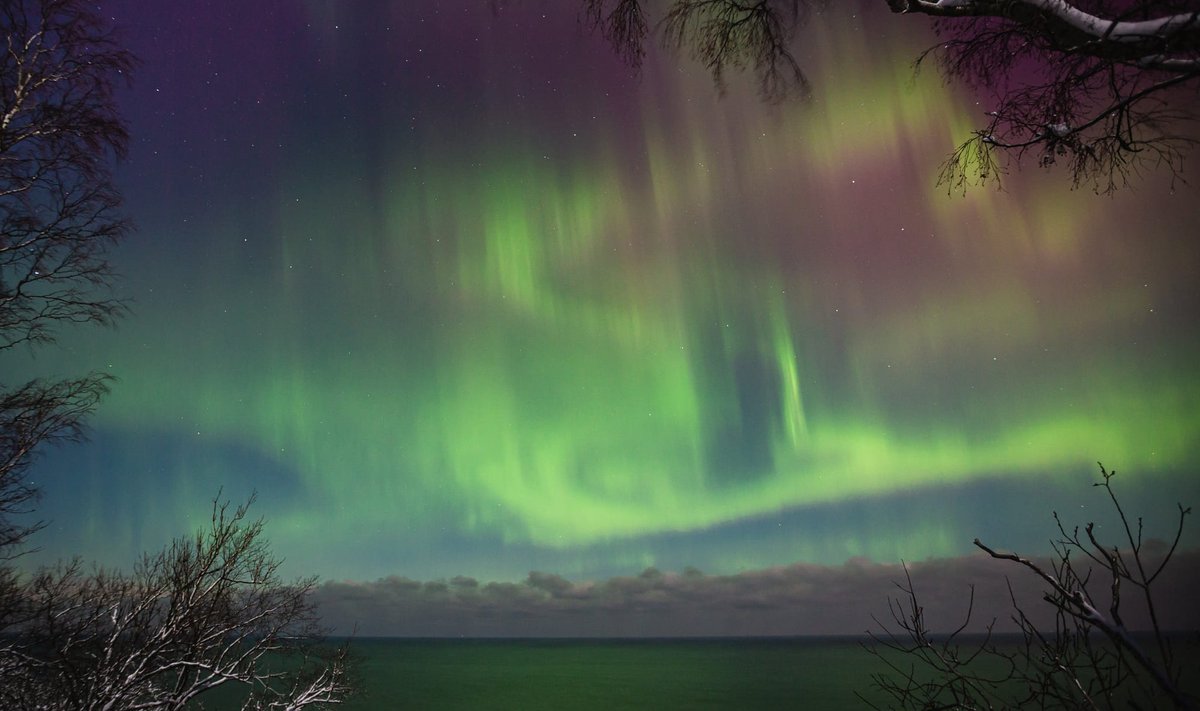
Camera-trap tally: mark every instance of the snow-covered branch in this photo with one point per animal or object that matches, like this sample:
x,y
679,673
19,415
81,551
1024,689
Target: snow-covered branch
x,y
1108,74
1104,95
1108,29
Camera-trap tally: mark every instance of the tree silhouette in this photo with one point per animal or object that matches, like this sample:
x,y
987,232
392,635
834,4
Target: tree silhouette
x,y
208,612
1090,659
59,215
1108,87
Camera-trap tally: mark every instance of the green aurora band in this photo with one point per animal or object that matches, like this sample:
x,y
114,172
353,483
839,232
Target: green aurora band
x,y
662,317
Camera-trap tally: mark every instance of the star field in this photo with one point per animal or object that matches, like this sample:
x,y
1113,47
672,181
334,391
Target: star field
x,y
458,294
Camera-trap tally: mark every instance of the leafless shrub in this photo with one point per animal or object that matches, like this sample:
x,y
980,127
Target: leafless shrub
x,y
209,611
1089,660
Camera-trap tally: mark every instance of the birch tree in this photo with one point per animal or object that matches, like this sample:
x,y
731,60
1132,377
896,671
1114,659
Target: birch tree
x,y
59,216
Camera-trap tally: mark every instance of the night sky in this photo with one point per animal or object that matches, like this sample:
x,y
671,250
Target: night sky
x,y
462,297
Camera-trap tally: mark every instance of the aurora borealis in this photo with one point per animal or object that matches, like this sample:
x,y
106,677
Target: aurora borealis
x,y
459,295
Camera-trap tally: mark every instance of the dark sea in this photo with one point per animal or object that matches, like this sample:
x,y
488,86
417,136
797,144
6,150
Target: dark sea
x,y
814,674
806,673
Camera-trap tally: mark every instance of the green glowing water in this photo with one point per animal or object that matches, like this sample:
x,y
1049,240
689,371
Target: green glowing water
x,y
588,674
810,673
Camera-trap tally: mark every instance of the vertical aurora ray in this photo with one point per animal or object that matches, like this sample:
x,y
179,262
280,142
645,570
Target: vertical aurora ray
x,y
533,306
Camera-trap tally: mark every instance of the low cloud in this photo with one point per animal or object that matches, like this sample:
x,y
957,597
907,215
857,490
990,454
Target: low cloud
x,y
799,599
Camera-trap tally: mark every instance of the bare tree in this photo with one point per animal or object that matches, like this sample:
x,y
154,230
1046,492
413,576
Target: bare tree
x,y
1090,659
34,415
1107,87
209,611
59,215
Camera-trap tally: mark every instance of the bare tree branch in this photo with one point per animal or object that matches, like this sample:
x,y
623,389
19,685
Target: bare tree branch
x,y
32,416
625,26
724,34
59,211
1067,667
1110,91
59,215
1106,88
209,611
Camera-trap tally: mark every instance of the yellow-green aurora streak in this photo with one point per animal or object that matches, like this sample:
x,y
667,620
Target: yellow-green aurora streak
x,y
573,349
556,311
